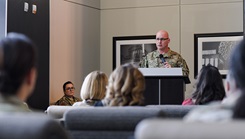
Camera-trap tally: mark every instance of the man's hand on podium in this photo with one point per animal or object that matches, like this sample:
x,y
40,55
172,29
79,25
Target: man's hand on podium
x,y
167,65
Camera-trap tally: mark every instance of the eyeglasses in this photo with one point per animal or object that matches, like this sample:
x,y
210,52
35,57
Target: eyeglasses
x,y
161,39
70,88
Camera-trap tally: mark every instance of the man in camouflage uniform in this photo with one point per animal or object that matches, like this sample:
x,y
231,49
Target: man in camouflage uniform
x,y
68,99
172,59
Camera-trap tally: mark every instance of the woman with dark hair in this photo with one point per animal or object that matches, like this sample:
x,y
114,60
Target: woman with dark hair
x,y
209,87
238,108
18,61
233,105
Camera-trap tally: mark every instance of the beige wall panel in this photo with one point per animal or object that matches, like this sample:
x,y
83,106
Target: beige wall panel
x,y
90,3
208,1
207,18
136,22
114,4
74,45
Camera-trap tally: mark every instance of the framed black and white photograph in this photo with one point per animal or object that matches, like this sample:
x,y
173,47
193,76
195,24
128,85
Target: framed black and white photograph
x,y
131,49
214,49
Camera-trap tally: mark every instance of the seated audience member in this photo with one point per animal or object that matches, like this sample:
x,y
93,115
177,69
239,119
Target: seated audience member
x,y
125,88
18,61
234,85
238,109
68,99
93,89
209,87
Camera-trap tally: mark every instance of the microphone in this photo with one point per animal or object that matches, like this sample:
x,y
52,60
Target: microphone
x,y
162,58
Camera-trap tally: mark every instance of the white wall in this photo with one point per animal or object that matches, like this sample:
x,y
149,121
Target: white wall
x,y
2,18
182,18
74,43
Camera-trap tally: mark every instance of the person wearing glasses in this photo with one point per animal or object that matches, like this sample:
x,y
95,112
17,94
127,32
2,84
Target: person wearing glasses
x,y
68,99
164,57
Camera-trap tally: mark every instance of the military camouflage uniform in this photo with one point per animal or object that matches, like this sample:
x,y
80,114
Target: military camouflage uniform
x,y
152,60
67,101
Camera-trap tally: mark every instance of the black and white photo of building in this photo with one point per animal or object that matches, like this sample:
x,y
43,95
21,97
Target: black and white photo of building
x,y
217,53
133,53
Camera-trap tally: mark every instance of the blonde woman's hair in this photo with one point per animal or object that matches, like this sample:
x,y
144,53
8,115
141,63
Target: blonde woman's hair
x,y
126,87
94,86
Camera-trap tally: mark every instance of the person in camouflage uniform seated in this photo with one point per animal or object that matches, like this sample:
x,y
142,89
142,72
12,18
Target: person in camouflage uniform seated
x,y
68,99
172,59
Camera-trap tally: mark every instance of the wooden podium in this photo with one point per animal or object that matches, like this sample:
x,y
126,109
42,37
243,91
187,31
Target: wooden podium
x,y
164,85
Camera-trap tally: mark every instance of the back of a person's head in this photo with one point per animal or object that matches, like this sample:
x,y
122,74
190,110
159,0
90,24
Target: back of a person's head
x,y
126,86
209,86
94,86
237,74
237,65
18,56
238,108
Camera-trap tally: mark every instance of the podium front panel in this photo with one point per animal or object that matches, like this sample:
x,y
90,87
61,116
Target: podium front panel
x,y
172,91
151,93
164,90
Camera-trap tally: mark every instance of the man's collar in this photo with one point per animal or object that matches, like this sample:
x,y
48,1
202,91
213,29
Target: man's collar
x,y
165,54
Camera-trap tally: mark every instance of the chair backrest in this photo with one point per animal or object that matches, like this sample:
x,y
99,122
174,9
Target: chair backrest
x,y
30,126
57,112
178,129
106,122
175,111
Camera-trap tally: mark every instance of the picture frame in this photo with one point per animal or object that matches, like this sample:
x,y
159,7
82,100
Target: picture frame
x,y
214,49
131,49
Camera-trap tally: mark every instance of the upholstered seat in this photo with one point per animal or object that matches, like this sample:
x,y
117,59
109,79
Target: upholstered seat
x,y
175,111
106,122
179,129
30,126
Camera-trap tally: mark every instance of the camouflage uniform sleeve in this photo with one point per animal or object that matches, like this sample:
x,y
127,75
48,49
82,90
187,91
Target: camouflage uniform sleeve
x,y
77,99
176,60
63,101
181,63
143,62
185,68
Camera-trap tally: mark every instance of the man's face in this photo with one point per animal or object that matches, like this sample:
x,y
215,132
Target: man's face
x,y
69,90
162,40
